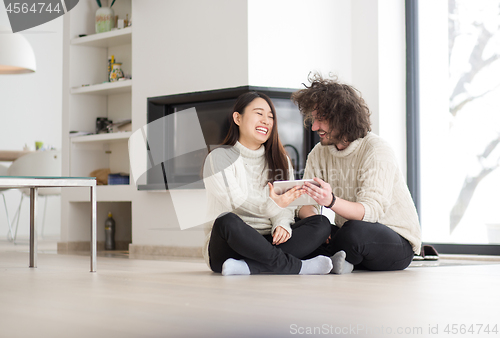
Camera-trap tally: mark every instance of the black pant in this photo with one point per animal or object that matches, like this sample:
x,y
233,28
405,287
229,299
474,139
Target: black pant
x,y
232,238
371,246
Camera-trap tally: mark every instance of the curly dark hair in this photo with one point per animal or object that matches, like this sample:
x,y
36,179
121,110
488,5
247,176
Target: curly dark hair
x,y
340,104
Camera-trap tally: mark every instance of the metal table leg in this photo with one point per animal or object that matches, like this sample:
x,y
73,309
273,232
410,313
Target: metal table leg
x,y
11,231
93,239
33,212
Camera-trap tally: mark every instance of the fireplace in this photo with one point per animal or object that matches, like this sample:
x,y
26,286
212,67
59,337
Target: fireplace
x,y
182,128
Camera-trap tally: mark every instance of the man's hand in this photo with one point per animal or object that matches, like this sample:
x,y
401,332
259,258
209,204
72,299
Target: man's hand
x,y
285,199
322,194
280,235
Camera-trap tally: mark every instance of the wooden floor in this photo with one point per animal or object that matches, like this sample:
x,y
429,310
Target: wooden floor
x,y
182,298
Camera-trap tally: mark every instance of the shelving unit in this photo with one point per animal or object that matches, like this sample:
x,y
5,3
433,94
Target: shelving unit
x,y
105,40
103,138
91,96
86,96
108,88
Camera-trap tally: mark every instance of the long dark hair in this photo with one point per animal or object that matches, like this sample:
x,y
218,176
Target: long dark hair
x,y
276,159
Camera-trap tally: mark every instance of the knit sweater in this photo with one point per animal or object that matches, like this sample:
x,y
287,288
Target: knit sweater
x,y
367,172
236,181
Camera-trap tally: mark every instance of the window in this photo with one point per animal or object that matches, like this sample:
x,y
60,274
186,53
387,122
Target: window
x,y
458,141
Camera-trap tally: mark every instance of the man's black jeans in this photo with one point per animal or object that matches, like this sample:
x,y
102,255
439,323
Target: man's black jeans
x,y
371,246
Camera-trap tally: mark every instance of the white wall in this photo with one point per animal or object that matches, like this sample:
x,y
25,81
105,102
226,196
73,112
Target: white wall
x,y
379,67
30,110
365,58
289,39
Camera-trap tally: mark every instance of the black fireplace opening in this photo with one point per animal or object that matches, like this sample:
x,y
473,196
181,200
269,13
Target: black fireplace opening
x,y
183,128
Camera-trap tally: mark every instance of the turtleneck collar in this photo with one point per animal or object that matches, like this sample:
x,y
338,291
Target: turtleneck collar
x,y
248,153
351,148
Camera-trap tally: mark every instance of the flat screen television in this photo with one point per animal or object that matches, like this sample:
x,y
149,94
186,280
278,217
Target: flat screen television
x,y
183,128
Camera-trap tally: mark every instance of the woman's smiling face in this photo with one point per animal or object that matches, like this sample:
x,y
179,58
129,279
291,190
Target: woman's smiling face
x,y
255,124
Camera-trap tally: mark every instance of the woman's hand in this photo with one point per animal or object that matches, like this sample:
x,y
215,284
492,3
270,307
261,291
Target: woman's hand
x,y
280,235
285,199
322,194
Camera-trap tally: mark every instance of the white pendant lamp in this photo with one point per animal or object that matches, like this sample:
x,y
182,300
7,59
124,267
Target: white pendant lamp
x,y
16,54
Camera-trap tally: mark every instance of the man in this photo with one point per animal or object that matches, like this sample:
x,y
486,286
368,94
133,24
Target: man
x,y
376,224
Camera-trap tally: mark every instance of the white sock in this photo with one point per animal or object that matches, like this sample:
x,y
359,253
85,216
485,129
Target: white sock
x,y
235,267
340,265
319,265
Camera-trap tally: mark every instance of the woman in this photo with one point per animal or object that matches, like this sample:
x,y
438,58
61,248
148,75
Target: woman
x,y
253,229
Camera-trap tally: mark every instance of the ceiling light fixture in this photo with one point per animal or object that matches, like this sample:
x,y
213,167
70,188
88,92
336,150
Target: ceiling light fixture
x,y
16,53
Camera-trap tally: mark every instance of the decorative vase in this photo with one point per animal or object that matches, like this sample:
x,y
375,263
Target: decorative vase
x,y
104,19
116,72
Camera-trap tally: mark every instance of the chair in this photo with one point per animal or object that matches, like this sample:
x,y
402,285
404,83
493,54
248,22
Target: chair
x,y
40,163
4,171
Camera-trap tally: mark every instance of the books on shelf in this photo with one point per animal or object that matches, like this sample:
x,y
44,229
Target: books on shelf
x,y
119,178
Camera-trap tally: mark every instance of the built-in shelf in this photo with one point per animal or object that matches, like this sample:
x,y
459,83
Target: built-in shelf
x,y
103,138
105,40
86,98
104,193
107,88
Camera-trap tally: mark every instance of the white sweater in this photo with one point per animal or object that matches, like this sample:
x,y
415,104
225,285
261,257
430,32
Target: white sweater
x,y
236,181
367,172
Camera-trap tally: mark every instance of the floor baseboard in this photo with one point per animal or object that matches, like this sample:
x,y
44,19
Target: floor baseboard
x,y
137,251
67,247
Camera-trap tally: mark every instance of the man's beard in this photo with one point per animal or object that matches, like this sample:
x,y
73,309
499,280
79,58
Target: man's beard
x,y
329,140
326,142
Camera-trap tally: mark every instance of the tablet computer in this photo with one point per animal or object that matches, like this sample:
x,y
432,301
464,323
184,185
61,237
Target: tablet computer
x,y
280,187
